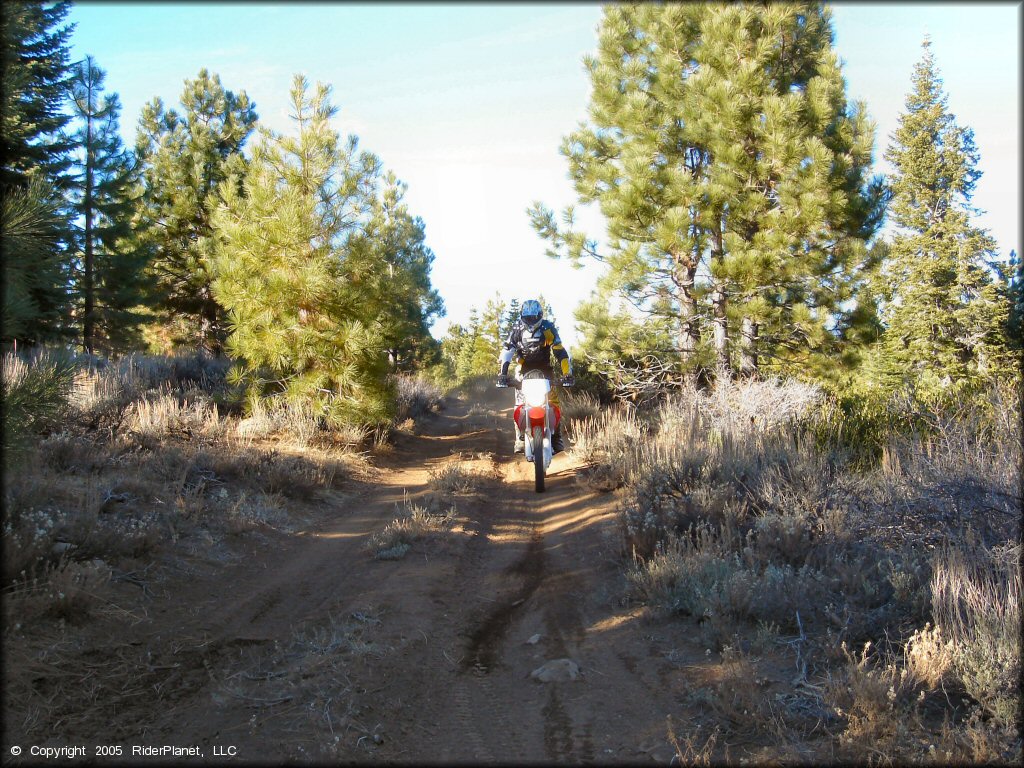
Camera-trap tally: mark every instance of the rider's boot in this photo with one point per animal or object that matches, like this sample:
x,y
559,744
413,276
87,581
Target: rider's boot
x,y
557,446
519,446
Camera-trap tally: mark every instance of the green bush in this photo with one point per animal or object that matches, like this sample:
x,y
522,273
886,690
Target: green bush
x,y
35,395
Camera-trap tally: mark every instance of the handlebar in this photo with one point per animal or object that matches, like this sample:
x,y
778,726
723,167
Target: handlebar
x,y
517,383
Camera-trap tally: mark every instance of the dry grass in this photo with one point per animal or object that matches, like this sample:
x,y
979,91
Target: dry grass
x,y
609,443
453,479
577,406
693,747
977,603
413,523
736,513
298,427
416,397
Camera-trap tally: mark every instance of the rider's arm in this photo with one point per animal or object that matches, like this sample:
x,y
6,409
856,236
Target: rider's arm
x,y
505,358
551,337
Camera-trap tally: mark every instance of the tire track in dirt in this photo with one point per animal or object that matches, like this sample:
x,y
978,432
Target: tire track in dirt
x,y
484,649
564,588
489,682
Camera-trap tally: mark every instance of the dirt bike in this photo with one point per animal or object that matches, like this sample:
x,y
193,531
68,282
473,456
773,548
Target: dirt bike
x,y
537,420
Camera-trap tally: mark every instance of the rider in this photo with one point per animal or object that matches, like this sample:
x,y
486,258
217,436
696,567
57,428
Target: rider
x,y
531,343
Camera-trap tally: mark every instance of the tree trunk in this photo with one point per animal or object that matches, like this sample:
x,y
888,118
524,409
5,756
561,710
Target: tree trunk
x,y
748,349
88,276
684,276
718,304
719,301
209,329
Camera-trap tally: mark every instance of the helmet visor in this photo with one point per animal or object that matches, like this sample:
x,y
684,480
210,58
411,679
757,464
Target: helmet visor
x,y
531,320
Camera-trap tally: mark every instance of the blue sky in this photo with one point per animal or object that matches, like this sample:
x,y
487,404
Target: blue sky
x,y
467,103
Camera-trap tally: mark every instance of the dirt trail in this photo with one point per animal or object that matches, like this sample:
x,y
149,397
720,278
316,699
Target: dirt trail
x,y
311,649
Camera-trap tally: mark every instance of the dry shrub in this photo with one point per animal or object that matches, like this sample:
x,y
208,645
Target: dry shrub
x,y
608,443
876,696
299,425
976,601
170,415
882,698
702,574
415,397
976,741
735,513
693,748
301,477
577,406
454,479
29,535
745,406
335,637
297,477
47,521
414,522
66,591
255,511
928,656
774,482
962,469
65,452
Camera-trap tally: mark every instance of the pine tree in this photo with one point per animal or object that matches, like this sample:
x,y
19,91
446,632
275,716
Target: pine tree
x,y
631,353
34,75
1014,280
947,315
390,262
108,275
35,278
35,227
184,159
472,350
511,318
299,324
452,345
731,173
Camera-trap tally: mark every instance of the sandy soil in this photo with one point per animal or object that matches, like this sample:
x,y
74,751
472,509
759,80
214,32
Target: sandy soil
x,y
304,648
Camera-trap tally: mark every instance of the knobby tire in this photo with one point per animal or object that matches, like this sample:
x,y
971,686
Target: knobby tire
x,y
538,459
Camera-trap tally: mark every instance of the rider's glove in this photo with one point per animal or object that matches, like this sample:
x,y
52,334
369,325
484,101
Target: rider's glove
x,y
568,381
502,380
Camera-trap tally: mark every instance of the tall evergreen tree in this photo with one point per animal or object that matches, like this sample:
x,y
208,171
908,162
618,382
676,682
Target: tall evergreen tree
x,y
472,350
299,323
511,317
185,157
947,315
35,278
34,78
731,173
108,275
390,263
1014,279
35,227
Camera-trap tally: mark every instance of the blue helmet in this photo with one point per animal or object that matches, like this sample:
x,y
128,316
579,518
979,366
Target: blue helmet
x,y
531,313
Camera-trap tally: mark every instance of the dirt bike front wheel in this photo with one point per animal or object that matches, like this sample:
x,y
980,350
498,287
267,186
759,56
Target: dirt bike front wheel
x,y
538,459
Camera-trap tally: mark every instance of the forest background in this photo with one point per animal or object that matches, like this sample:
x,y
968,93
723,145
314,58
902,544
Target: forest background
x,y
489,141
